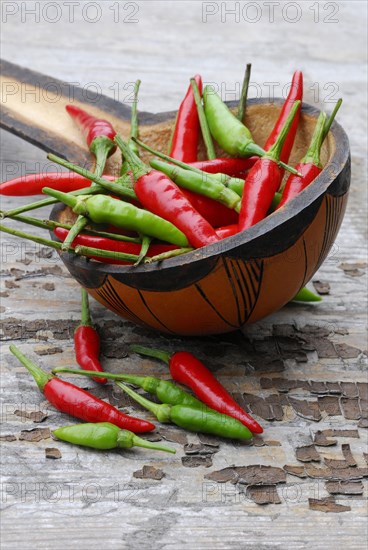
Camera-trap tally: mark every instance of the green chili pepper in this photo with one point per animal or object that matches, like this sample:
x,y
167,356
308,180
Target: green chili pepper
x,y
104,435
166,391
193,419
203,183
229,132
306,295
105,209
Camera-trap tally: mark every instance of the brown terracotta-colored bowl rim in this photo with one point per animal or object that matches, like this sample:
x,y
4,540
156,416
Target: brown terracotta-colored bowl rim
x,y
336,163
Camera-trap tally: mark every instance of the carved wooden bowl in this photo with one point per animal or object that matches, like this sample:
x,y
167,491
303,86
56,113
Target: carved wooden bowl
x,y
226,285
243,278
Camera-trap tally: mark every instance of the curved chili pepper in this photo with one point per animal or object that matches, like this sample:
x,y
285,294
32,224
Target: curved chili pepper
x,y
184,142
264,180
295,93
104,209
161,196
99,135
104,435
190,371
77,402
231,134
227,230
194,419
310,165
87,341
103,243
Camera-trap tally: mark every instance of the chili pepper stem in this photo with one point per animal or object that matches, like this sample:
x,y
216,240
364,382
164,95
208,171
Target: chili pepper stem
x,y
29,237
40,376
130,378
122,189
167,255
244,92
100,253
146,241
156,353
85,312
314,150
207,138
138,167
275,151
101,147
139,442
162,411
76,228
133,128
331,118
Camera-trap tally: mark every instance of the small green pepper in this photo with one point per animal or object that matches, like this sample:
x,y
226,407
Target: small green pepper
x,y
105,209
104,435
306,295
194,419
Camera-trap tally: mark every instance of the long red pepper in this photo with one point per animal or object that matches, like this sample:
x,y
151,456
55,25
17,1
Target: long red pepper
x,y
163,197
99,135
186,369
32,184
213,211
184,142
310,165
87,341
233,167
295,94
77,402
263,180
112,245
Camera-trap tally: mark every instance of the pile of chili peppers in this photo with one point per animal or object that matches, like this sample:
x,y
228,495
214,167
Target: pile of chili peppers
x,y
164,209
153,212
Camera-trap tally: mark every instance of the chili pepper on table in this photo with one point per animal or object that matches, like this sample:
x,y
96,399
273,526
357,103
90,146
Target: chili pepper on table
x,y
264,180
77,402
295,93
184,141
112,245
105,436
194,419
166,391
310,165
186,369
231,134
87,341
105,209
306,295
160,195
99,135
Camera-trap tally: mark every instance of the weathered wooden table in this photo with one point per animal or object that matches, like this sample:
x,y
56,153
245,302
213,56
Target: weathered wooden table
x,y
301,372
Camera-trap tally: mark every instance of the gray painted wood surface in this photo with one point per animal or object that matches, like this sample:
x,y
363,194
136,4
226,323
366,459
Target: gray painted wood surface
x,y
91,499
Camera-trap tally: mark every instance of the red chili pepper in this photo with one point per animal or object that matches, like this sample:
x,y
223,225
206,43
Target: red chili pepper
x,y
295,94
157,193
32,184
87,341
112,245
213,211
227,230
310,166
77,402
184,141
99,135
264,180
233,167
186,369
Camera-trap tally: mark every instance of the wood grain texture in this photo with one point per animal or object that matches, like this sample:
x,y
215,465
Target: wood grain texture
x,y
89,499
